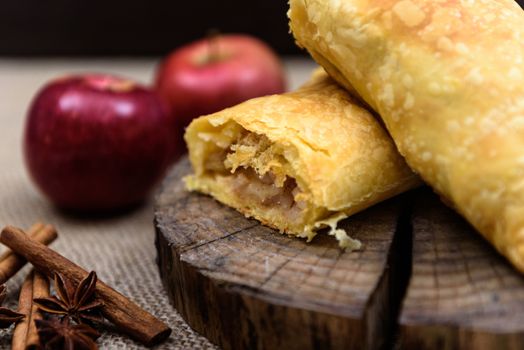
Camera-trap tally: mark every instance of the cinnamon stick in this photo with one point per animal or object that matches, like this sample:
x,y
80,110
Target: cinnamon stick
x,y
32,230
25,335
11,263
25,301
125,314
40,290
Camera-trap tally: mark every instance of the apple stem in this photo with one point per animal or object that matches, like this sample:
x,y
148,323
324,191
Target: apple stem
x,y
213,46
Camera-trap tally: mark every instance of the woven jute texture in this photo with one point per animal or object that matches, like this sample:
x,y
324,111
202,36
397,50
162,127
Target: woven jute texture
x,y
120,249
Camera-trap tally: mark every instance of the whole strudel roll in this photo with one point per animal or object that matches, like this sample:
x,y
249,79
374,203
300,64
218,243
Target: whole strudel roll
x,y
297,162
447,78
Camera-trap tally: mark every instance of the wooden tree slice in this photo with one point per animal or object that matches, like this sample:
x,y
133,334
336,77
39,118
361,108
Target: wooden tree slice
x,y
243,285
462,294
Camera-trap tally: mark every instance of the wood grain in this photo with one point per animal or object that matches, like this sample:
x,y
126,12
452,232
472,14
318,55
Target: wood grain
x,y
462,294
243,285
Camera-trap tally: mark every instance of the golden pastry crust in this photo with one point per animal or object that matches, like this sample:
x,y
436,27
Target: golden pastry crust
x,y
340,158
447,79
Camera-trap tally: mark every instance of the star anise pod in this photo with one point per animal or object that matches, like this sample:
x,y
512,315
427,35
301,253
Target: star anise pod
x,y
7,316
62,334
78,303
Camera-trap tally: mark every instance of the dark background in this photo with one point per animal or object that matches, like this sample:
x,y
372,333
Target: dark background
x,y
134,27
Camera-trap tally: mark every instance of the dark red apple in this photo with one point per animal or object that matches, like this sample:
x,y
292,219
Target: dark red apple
x,y
218,72
97,142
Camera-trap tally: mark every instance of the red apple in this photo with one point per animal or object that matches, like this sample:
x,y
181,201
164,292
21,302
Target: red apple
x,y
97,142
218,72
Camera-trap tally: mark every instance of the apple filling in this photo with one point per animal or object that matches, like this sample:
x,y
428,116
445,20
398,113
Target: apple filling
x,y
247,171
256,175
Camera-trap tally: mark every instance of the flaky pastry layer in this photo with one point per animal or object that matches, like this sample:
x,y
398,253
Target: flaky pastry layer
x,y
448,81
299,161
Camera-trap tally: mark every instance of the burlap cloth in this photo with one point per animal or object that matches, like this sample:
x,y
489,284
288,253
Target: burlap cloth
x,y
120,249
